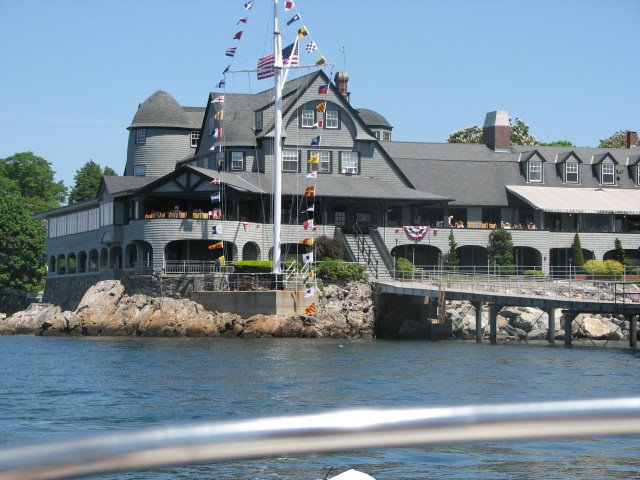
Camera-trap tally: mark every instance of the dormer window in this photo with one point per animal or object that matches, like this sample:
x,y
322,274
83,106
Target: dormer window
x,y
534,171
141,136
571,172
607,173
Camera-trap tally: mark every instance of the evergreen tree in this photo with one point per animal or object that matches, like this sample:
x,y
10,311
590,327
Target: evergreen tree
x,y
452,260
22,252
619,254
87,181
577,255
501,250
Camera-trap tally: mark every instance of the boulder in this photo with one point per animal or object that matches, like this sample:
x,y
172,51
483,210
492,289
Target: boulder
x,y
31,320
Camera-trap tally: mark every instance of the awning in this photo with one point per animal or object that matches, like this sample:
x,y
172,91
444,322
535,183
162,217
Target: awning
x,y
622,201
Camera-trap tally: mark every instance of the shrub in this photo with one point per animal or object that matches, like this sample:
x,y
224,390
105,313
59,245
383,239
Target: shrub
x,y
603,267
533,273
253,266
501,250
404,267
577,255
340,272
326,248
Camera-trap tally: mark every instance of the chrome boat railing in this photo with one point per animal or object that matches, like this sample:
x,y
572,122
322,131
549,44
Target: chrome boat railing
x,y
325,432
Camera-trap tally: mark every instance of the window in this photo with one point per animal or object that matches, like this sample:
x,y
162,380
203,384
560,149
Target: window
x,y
195,138
349,162
571,172
386,136
139,170
308,118
535,171
141,136
289,160
331,119
607,174
324,161
237,160
259,121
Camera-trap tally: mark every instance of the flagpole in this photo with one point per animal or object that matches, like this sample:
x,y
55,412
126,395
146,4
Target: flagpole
x,y
277,147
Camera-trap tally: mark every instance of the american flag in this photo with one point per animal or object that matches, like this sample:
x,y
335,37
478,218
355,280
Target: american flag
x,y
265,67
290,55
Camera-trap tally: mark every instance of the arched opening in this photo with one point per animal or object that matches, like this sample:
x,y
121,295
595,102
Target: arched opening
x,y
52,264
198,250
93,261
632,256
115,261
560,260
145,260
71,263
473,258
527,258
104,259
250,251
130,256
291,251
419,255
62,265
82,262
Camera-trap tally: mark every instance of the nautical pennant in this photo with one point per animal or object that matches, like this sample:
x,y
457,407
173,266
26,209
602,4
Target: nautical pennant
x,y
302,32
215,181
219,99
230,52
323,89
310,192
309,292
308,224
226,69
311,47
316,140
312,175
295,18
220,84
216,133
318,124
321,107
238,35
321,62
288,6
310,309
306,241
307,258
242,20
248,5
216,229
215,197
216,246
313,158
219,114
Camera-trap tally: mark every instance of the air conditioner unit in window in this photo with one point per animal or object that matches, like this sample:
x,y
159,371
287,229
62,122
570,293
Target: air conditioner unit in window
x,y
350,170
619,171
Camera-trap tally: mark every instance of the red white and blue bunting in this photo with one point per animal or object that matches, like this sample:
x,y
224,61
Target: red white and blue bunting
x,y
416,233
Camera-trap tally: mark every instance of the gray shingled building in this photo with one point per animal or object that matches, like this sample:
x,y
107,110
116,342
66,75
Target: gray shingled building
x,y
190,169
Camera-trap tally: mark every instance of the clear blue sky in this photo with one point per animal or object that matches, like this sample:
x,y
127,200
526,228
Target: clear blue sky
x,y
74,71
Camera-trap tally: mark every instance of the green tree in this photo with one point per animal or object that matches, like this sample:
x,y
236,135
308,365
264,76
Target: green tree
x,y
328,248
31,178
577,256
619,254
558,143
452,261
519,134
617,140
87,181
22,252
501,250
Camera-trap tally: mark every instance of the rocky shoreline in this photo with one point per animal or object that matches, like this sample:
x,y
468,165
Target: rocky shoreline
x,y
106,310
342,312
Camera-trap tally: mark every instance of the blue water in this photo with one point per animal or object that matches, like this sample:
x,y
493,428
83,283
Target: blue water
x,y
60,387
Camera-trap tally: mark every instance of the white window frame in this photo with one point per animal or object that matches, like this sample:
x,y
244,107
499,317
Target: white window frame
x,y
534,171
574,171
324,161
141,136
331,119
259,120
386,136
308,118
349,163
288,160
611,173
137,169
195,138
237,161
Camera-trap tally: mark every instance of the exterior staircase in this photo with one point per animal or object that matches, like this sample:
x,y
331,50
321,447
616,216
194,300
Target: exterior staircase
x,y
366,253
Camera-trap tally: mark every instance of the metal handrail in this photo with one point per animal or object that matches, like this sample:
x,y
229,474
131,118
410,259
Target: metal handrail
x,y
326,432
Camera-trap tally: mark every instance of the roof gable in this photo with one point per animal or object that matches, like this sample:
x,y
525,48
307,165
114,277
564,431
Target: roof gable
x,y
568,157
603,158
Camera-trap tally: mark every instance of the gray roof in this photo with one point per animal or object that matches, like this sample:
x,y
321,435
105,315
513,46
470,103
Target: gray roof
x,y
373,119
118,185
465,170
162,110
326,186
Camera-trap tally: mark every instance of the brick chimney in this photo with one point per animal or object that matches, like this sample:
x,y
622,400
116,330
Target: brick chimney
x,y
496,131
632,139
342,82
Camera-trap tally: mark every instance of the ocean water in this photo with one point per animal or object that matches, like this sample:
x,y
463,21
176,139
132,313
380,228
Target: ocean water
x,y
63,387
